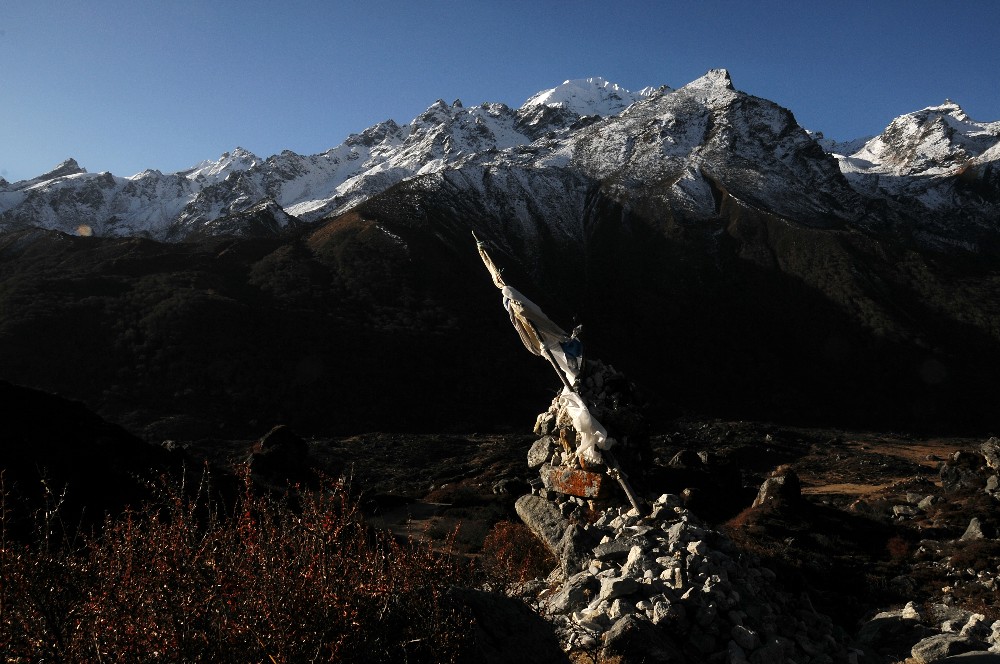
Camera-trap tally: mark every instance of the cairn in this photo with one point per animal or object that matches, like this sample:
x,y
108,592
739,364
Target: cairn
x,y
662,585
647,582
650,581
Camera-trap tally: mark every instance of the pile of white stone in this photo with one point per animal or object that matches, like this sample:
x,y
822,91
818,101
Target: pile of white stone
x,y
667,587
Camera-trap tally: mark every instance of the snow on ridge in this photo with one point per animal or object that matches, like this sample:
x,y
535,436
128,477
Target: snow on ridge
x,y
714,78
933,141
237,160
586,96
834,147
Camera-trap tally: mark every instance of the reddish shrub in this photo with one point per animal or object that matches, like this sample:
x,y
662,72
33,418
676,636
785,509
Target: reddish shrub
x,y
277,580
511,555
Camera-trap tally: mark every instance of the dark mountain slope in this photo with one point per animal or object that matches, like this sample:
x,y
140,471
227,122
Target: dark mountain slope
x,y
384,318
335,331
750,313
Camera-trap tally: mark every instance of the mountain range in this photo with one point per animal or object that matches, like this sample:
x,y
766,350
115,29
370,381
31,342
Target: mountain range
x,y
929,174
734,263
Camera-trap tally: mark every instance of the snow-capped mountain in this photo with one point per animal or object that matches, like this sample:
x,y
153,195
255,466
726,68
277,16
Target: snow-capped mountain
x,y
931,142
683,153
173,205
918,151
591,96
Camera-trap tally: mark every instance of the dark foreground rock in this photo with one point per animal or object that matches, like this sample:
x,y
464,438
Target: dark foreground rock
x,y
936,648
53,450
506,630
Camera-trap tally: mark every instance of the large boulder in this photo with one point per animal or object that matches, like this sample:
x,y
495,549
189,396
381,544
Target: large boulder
x,y
44,437
781,490
962,473
543,519
938,647
281,457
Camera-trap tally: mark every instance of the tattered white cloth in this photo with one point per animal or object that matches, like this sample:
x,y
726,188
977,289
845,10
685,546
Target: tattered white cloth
x,y
593,435
539,334
565,352
537,331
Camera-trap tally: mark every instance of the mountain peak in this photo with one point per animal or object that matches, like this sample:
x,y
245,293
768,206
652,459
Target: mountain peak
x,y
715,78
586,96
239,159
68,167
240,153
949,108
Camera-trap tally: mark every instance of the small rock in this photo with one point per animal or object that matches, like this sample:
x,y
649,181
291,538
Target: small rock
x,y
618,548
636,564
540,452
662,610
910,612
698,548
745,637
927,502
994,637
669,500
708,614
955,477
685,459
991,452
619,608
636,640
702,641
992,484
617,587
736,654
577,591
905,511
974,531
976,628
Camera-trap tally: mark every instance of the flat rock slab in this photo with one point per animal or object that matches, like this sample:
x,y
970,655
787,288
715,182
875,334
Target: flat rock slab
x,y
977,657
543,519
575,482
618,548
937,648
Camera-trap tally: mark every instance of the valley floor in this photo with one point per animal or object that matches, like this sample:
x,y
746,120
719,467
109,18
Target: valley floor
x,y
880,524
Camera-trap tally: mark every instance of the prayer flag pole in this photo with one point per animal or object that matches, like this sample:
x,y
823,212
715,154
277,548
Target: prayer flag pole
x,y
534,340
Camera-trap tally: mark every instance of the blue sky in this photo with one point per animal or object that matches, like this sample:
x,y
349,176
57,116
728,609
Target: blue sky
x,y
124,86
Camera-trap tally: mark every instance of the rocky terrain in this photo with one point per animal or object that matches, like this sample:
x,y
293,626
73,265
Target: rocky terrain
x,y
761,543
767,544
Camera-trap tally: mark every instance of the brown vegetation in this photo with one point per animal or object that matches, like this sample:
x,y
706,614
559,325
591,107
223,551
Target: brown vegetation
x,y
513,555
300,578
